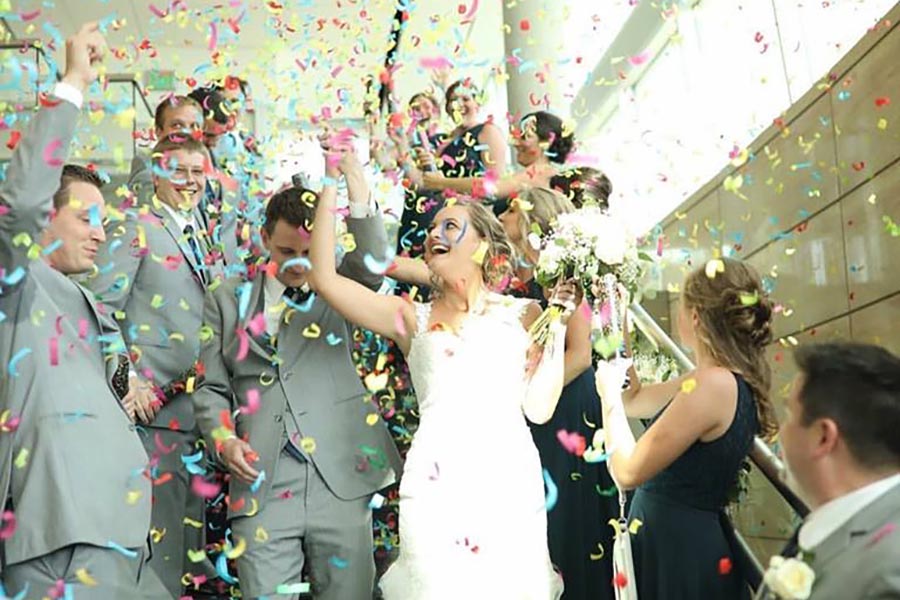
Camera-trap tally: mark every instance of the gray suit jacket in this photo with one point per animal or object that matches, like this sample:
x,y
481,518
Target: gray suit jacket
x,y
862,558
312,381
74,466
149,277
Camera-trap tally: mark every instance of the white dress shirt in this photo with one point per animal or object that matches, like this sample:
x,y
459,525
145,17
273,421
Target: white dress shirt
x,y
273,303
70,93
181,219
832,515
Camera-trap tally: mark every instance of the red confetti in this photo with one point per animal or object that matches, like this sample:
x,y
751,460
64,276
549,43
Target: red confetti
x,y
48,102
620,580
858,166
14,137
524,25
882,101
725,566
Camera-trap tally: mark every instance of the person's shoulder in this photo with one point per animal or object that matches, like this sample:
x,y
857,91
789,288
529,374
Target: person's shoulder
x,y
710,385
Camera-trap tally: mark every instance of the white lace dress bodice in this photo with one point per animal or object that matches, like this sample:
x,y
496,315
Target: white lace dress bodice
x,y
472,507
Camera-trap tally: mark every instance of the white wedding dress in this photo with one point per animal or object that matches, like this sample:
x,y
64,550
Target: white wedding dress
x,y
473,522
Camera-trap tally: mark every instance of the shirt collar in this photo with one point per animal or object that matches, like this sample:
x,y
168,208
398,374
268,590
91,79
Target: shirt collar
x,y
274,289
182,219
831,516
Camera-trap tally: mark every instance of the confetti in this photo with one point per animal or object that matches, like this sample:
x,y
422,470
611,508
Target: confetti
x,y
688,385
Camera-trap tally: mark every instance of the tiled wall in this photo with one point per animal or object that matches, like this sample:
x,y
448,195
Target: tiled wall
x,y
816,209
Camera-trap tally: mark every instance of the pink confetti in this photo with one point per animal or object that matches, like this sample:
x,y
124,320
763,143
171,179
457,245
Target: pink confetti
x,y
574,443
82,328
49,150
9,525
159,13
881,533
54,351
252,402
438,62
471,14
243,344
162,447
30,16
639,59
204,489
213,36
399,323
257,324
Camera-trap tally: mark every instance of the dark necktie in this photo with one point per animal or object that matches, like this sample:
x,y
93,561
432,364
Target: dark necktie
x,y
197,252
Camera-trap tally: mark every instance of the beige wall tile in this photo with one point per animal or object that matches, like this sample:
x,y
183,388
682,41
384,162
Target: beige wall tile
x,y
872,237
879,324
782,362
690,242
806,274
764,513
863,146
792,177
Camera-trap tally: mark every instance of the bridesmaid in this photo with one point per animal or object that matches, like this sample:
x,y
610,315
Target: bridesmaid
x,y
687,461
579,537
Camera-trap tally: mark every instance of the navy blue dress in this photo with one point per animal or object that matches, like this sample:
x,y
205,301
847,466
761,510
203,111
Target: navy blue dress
x,y
679,550
578,534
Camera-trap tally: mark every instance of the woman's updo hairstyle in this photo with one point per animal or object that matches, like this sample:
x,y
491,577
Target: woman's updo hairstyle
x,y
551,132
583,185
735,326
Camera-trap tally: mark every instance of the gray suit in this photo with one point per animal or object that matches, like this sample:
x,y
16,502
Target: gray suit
x,y
308,390
73,470
862,558
152,280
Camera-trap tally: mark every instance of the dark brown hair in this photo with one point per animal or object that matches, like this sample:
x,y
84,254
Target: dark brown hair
x,y
583,185
177,141
72,173
858,387
296,206
467,83
550,130
735,326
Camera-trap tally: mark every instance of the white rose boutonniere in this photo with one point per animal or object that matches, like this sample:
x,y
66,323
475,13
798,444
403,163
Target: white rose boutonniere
x,y
789,578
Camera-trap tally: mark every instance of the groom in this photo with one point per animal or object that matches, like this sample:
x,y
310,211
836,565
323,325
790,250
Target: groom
x,y
284,408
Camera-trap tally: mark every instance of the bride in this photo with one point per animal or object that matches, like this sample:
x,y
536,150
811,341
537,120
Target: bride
x,y
472,504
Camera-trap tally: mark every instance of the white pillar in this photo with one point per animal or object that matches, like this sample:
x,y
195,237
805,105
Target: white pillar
x,y
534,35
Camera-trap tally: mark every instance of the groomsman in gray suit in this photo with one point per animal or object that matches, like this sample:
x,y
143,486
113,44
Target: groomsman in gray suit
x,y
841,441
154,270
74,474
283,405
216,213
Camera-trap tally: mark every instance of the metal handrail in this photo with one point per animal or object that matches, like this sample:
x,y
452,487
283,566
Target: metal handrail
x,y
761,455
136,89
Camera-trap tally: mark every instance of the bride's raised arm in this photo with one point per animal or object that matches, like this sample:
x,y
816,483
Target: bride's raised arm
x,y
390,316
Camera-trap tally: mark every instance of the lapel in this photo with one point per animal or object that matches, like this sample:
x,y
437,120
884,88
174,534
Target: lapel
x,y
177,234
251,302
867,521
295,327
105,328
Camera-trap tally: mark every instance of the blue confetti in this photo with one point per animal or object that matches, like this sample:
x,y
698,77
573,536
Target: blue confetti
x,y
121,549
11,368
222,570
259,479
552,491
338,562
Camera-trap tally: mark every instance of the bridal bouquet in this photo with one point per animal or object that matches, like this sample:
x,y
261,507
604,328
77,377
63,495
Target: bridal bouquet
x,y
586,244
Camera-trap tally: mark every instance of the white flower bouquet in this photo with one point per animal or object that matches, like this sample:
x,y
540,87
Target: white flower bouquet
x,y
587,244
789,578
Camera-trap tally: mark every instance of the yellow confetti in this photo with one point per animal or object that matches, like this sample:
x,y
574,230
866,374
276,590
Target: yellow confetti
x,y
713,267
688,385
196,556
634,526
480,252
193,523
882,124
790,251
371,419
749,299
308,445
157,534
348,242
871,199
156,301
237,550
376,381
189,385
312,331
261,535
21,458
132,497
85,577
254,507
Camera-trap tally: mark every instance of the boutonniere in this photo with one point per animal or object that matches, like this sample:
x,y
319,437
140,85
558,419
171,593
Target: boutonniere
x,y
789,578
